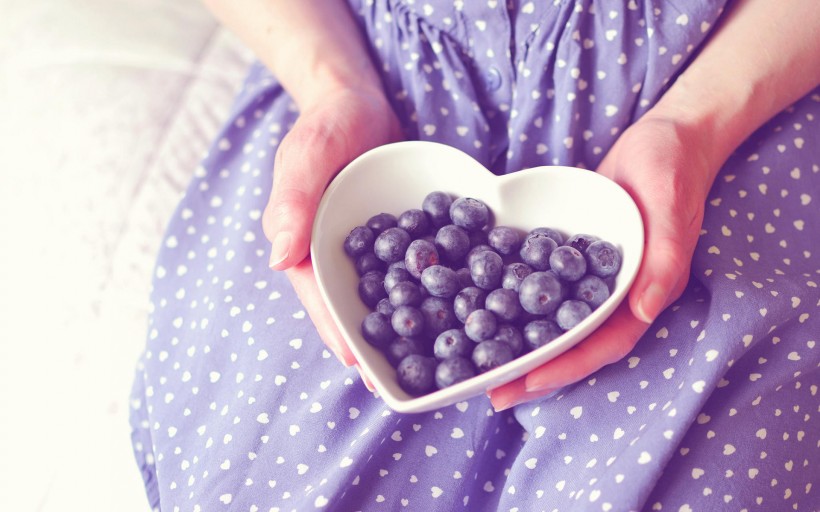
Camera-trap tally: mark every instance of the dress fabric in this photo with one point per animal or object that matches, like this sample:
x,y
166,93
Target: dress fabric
x,y
237,405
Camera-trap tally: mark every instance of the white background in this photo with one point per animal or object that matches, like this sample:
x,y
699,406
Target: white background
x,y
106,107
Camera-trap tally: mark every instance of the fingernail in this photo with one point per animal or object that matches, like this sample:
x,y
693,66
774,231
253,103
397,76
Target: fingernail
x,y
280,249
650,303
543,388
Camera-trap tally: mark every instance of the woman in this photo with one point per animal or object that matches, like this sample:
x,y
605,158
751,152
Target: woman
x,y
236,402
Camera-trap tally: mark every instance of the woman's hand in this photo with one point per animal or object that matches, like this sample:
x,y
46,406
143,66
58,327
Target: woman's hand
x,y
328,134
661,164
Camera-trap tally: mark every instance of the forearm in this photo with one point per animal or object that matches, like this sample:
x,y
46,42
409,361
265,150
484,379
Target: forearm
x,y
311,47
763,57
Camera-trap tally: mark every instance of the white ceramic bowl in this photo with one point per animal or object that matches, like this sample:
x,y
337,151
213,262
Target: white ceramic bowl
x,y
397,177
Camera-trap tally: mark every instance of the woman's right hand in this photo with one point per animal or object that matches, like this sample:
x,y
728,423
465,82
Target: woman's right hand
x,y
329,133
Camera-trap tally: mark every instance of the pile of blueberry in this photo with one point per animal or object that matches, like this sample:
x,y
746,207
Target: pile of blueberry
x,y
452,297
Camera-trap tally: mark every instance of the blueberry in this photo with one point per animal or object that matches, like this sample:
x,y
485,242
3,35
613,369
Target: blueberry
x,y
475,251
486,270
415,222
405,293
581,241
481,325
464,278
452,242
384,307
394,276
504,303
420,254
359,241
471,214
397,264
407,321
513,274
590,289
391,244
417,374
371,288
541,293
570,313
540,332
510,335
478,238
438,315
505,240
402,347
437,206
536,250
377,331
604,259
382,221
491,354
552,233
367,262
453,370
468,300
440,281
452,343
568,263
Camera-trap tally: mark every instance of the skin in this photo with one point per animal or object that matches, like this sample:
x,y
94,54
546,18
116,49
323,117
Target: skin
x,y
667,160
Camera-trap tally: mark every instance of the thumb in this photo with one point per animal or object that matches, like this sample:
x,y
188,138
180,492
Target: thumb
x,y
305,162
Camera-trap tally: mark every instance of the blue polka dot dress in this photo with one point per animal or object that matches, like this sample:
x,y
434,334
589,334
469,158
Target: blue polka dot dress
x,y
237,404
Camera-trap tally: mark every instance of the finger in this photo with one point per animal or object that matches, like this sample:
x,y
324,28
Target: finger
x,y
304,282
305,162
611,342
514,393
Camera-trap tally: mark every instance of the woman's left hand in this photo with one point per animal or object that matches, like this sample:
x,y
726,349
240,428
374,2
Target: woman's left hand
x,y
660,163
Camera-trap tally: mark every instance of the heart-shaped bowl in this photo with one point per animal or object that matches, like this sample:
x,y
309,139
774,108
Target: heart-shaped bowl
x,y
396,177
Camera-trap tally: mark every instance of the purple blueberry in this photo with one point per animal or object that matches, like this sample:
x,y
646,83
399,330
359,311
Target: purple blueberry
x,y
452,242
359,241
384,307
591,289
552,233
475,251
505,240
391,244
568,263
604,259
486,270
541,293
440,281
481,325
438,315
504,303
469,213
377,331
453,370
510,335
437,206
402,347
570,313
382,221
371,288
452,343
394,276
468,300
420,255
540,332
415,222
581,241
536,250
464,278
408,321
417,374
491,354
405,293
513,274
367,262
